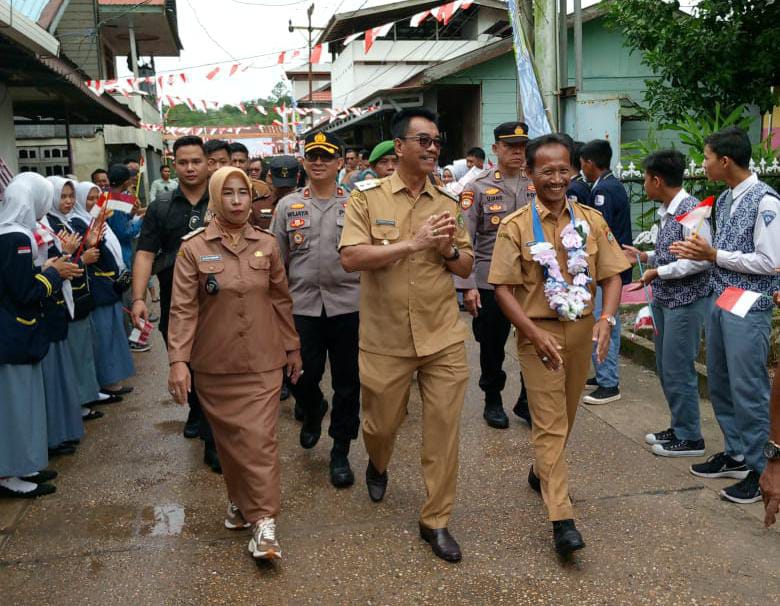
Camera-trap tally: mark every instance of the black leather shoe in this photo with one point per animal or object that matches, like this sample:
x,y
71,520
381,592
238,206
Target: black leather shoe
x,y
521,408
566,537
533,481
191,429
62,449
298,412
39,491
376,482
285,391
44,475
211,458
341,475
442,543
312,426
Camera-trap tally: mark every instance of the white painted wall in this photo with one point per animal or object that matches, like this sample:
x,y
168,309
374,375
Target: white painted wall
x,y
7,134
356,75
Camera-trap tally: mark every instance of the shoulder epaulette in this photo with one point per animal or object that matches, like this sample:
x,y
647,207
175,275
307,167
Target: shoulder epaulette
x,y
193,233
448,193
517,213
367,184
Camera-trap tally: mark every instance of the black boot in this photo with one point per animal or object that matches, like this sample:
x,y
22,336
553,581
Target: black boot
x,y
192,425
566,537
211,458
312,426
341,475
521,407
494,413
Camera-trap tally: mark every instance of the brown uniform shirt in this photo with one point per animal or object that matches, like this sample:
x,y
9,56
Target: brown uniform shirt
x,y
247,326
485,202
262,204
409,308
513,263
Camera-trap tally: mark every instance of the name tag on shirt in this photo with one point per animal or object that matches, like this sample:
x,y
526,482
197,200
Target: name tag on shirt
x,y
599,201
385,222
211,258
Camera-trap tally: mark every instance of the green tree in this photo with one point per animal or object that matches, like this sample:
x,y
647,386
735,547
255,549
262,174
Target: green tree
x,y
726,52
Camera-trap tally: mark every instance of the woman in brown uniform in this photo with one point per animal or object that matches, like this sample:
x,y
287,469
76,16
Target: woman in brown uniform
x,y
231,320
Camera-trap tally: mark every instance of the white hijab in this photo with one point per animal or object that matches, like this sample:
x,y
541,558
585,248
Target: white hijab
x,y
59,184
80,212
27,202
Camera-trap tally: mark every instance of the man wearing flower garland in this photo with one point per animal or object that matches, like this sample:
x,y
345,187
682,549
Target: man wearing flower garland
x,y
548,259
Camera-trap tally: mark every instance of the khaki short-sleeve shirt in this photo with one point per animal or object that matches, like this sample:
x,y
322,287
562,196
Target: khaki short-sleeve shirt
x,y
409,308
513,264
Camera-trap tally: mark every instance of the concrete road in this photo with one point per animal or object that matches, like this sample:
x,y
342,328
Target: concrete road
x,y
137,519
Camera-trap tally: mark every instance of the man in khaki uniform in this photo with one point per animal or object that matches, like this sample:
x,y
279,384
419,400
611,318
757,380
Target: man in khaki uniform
x,y
407,237
485,201
555,343
308,224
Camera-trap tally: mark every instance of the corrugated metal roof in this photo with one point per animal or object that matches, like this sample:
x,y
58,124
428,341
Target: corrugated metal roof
x,y
32,9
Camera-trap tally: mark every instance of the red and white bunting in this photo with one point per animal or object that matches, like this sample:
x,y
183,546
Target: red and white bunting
x,y
417,19
316,54
374,33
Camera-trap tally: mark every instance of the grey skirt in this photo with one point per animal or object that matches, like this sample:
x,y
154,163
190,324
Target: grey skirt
x,y
63,408
113,360
79,344
22,420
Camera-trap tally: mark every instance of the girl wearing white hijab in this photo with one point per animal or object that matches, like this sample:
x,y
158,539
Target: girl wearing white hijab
x,y
23,341
65,426
113,360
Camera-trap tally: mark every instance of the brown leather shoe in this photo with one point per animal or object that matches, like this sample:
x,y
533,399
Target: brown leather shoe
x,y
442,543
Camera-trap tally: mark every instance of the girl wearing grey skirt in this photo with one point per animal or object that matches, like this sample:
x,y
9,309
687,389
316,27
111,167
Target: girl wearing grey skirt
x,y
23,341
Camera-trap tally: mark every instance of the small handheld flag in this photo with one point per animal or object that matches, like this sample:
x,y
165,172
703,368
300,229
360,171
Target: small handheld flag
x,y
737,301
697,215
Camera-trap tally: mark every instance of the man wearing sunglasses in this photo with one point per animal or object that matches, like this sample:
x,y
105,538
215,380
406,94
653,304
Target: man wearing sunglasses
x,y
307,223
407,237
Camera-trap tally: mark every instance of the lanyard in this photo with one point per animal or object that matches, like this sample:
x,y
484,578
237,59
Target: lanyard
x,y
537,223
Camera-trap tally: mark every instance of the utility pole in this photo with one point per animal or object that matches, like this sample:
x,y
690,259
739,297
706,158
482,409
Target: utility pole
x,y
546,55
310,31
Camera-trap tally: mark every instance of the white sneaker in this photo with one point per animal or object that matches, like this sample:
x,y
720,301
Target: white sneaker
x,y
263,544
234,520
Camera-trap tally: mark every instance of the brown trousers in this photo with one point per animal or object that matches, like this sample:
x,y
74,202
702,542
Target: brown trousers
x,y
553,397
243,410
442,378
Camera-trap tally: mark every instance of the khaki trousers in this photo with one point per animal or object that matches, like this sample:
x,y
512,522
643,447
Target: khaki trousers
x,y
442,377
553,397
243,410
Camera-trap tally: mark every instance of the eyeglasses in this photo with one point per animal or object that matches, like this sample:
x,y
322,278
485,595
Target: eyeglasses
x,y
426,140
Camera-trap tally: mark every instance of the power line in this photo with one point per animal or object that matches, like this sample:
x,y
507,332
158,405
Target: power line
x,y
205,31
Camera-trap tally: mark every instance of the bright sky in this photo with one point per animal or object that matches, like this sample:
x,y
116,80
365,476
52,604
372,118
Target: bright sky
x,y
243,28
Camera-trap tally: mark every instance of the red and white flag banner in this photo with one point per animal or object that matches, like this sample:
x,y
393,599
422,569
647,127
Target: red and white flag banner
x,y
696,216
737,301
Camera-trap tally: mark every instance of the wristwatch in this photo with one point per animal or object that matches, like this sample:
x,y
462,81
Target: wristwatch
x,y
610,319
455,255
771,451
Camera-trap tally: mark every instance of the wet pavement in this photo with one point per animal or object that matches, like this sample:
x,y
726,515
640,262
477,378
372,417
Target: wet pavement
x,y
137,518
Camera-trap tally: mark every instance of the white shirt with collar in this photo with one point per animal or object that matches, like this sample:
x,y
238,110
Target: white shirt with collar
x,y
681,267
766,236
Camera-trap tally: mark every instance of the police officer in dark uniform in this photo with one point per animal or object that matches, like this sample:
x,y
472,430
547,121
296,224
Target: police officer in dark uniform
x,y
493,195
578,187
284,172
608,196
170,217
307,225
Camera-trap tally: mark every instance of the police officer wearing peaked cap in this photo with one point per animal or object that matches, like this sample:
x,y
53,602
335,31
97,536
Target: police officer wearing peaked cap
x,y
307,225
493,195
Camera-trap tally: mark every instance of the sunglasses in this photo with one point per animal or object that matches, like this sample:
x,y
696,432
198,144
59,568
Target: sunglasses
x,y
426,140
322,157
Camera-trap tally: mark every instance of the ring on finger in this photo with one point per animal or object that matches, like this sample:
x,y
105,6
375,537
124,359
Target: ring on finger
x,y
545,359
435,232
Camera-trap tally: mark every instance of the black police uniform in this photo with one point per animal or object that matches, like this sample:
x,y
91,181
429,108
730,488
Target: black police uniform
x,y
609,197
167,220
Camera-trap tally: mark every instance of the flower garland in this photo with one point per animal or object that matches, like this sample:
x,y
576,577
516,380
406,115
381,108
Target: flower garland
x,y
567,300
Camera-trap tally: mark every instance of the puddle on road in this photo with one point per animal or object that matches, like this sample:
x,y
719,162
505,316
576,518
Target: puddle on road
x,y
168,520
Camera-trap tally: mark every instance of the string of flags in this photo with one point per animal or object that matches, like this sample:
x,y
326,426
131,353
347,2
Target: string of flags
x,y
167,82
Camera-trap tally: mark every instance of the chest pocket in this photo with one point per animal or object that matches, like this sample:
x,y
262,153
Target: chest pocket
x,y
384,234
208,266
261,270
492,213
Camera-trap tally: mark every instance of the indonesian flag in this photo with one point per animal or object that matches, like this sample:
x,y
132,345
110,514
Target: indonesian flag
x,y
444,13
280,60
737,301
261,110
352,38
374,33
233,69
316,54
418,18
644,319
212,74
114,201
694,217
